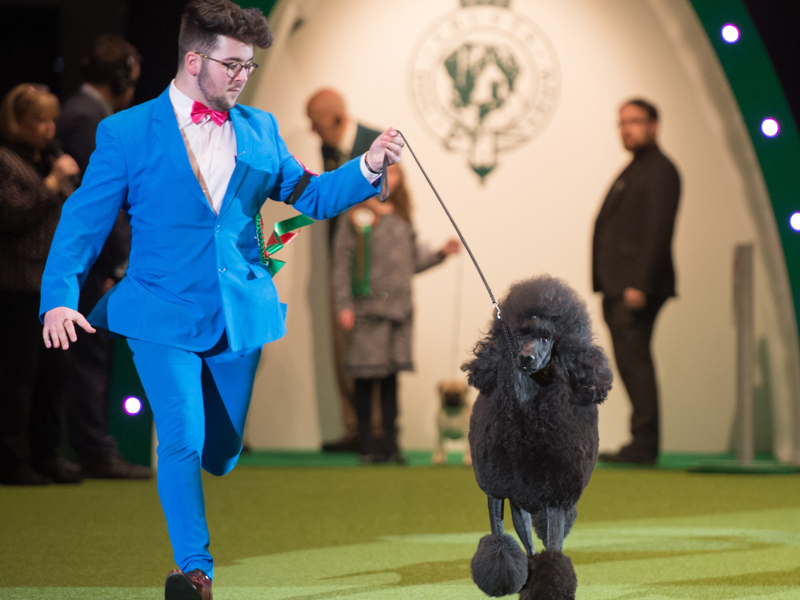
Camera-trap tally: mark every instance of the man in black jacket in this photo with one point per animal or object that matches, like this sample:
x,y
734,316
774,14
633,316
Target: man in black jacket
x,y
110,73
632,267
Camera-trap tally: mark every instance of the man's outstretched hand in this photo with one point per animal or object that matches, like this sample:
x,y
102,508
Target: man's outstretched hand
x,y
389,143
59,327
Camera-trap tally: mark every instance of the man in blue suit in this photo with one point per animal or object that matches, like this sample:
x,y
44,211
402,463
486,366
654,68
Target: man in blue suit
x,y
191,169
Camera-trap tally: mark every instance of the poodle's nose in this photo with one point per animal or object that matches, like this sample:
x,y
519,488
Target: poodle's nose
x,y
526,362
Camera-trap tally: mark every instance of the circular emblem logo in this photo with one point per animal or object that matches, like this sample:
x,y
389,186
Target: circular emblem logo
x,y
485,79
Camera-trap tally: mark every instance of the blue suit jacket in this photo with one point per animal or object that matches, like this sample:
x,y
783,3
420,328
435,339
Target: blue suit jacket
x,y
192,274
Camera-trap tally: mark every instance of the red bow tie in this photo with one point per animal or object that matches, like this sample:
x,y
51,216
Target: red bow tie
x,y
200,111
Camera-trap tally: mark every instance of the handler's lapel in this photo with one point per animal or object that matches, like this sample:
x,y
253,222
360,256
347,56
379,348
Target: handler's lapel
x,y
244,154
170,136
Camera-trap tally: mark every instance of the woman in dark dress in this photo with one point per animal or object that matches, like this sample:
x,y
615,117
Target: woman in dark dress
x,y
35,179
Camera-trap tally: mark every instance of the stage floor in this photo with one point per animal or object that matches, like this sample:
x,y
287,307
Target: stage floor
x,y
328,532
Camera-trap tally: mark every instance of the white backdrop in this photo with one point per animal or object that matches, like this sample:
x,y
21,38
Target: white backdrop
x,y
535,212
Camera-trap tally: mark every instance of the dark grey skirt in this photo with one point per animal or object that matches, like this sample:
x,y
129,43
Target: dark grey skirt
x,y
379,347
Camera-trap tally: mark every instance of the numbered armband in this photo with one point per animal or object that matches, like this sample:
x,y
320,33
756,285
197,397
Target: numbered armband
x,y
299,188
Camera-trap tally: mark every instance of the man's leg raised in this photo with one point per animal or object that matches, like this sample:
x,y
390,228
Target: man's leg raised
x,y
227,388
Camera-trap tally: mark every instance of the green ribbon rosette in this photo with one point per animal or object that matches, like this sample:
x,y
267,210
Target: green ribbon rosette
x,y
283,232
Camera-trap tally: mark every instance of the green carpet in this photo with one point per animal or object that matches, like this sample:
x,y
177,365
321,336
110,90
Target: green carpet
x,y
422,458
315,533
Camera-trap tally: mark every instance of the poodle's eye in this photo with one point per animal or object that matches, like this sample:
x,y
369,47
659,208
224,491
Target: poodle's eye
x,y
545,339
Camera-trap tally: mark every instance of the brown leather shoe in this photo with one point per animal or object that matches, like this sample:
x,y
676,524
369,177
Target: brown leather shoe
x,y
194,585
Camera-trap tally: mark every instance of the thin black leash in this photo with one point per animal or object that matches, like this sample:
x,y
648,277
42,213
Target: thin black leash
x,y
385,194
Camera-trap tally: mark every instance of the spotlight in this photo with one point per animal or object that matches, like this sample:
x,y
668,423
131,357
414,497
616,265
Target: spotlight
x,y
794,221
730,33
133,406
770,127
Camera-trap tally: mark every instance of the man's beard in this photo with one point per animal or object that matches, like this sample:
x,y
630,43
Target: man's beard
x,y
215,101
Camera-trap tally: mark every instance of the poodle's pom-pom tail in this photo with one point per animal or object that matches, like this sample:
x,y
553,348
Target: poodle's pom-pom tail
x,y
550,577
499,567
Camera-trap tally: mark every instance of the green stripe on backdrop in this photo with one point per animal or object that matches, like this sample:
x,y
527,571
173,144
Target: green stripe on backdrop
x,y
759,95
265,6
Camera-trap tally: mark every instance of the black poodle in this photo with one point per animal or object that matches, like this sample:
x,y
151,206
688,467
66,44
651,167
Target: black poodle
x,y
533,434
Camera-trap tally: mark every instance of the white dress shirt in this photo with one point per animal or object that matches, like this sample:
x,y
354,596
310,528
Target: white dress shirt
x,y
212,149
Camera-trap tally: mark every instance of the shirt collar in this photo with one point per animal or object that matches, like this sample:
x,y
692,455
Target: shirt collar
x,y
181,103
89,90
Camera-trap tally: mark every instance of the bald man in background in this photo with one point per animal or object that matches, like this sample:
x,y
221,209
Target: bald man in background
x,y
342,138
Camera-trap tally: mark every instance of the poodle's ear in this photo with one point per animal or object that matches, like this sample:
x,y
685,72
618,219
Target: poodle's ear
x,y
589,373
482,371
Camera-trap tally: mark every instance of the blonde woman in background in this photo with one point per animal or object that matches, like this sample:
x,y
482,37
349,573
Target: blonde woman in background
x,y
35,180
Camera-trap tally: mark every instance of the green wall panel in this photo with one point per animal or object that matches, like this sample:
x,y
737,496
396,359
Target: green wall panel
x,y
759,94
265,6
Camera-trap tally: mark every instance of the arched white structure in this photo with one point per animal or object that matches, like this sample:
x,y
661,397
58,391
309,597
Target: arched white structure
x,y
536,210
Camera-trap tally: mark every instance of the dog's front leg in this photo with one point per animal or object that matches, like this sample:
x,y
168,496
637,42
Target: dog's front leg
x,y
552,575
496,508
499,567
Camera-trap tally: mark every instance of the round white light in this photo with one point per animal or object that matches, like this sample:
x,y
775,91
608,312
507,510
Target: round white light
x,y
730,33
794,221
770,127
133,405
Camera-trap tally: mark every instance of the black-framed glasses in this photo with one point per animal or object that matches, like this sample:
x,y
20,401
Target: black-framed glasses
x,y
235,67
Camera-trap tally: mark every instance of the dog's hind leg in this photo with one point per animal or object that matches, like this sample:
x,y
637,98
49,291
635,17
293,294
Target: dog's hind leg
x,y
555,529
522,525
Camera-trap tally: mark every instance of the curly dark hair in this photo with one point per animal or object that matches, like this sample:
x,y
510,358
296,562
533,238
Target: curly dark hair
x,y
563,314
203,20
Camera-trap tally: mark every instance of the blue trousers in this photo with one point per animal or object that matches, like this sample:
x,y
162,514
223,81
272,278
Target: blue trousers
x,y
200,403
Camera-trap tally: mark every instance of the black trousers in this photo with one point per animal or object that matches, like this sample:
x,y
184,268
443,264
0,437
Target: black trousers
x,y
631,333
86,385
362,400
31,378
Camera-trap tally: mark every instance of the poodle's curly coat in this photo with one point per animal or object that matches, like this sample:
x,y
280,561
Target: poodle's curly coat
x,y
533,436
